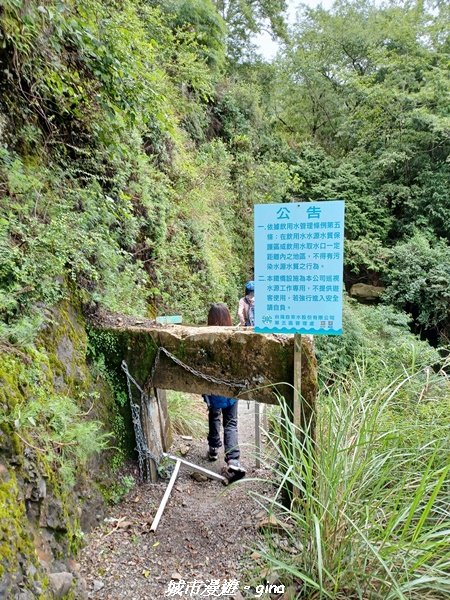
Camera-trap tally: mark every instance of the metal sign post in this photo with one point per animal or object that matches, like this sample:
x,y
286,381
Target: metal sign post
x,y
258,435
297,402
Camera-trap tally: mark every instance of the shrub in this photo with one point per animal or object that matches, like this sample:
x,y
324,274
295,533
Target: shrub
x,y
62,437
418,279
378,340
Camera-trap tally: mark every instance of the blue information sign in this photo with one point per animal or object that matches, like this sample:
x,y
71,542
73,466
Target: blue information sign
x,y
299,251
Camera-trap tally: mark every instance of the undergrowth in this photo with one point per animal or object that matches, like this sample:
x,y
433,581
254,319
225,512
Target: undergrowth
x,y
116,490
50,424
372,512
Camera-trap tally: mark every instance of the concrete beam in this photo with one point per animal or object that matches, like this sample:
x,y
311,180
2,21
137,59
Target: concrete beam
x,y
261,365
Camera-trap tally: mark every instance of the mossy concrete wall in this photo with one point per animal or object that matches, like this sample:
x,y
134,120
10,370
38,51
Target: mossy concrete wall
x,y
209,360
42,517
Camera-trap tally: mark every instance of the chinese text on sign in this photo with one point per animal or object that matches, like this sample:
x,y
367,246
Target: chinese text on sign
x,y
299,267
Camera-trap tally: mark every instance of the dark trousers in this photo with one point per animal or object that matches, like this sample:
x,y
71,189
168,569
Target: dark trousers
x,y
230,432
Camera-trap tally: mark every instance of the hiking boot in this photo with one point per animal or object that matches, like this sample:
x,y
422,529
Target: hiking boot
x,y
213,453
234,471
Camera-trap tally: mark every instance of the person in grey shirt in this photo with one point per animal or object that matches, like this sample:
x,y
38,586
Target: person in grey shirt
x,y
246,309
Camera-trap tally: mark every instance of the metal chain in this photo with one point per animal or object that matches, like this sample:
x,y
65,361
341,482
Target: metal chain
x,y
232,384
141,446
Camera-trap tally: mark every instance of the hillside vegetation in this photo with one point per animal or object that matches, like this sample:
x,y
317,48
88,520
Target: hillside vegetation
x,y
134,148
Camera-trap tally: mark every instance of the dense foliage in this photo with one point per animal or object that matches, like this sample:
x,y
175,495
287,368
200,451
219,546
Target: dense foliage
x,y
112,172
363,90
136,137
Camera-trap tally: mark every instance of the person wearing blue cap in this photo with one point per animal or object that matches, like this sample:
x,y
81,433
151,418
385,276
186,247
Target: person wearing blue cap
x,y
246,310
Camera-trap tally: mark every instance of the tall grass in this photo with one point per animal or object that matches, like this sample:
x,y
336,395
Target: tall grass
x,y
187,414
373,509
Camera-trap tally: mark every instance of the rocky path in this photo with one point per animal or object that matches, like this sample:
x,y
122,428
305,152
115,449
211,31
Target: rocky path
x,y
207,537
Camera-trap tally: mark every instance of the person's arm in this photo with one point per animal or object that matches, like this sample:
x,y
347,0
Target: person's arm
x,y
242,311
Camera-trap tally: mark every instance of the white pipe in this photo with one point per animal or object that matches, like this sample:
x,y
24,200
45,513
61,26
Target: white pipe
x,y
166,496
193,467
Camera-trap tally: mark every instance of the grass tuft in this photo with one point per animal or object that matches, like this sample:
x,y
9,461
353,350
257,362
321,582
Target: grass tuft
x,y
373,510
187,414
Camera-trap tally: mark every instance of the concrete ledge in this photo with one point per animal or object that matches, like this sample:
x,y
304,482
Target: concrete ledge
x,y
262,363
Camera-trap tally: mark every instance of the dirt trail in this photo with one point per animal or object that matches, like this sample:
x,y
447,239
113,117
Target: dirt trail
x,y
207,532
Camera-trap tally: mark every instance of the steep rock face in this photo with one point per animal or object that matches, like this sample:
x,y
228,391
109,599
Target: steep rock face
x,y
46,496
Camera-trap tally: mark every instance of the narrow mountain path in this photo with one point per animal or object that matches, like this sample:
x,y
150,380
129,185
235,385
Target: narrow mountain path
x,y
208,532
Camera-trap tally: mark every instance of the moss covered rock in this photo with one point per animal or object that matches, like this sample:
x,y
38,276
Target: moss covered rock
x,y
54,416
19,567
